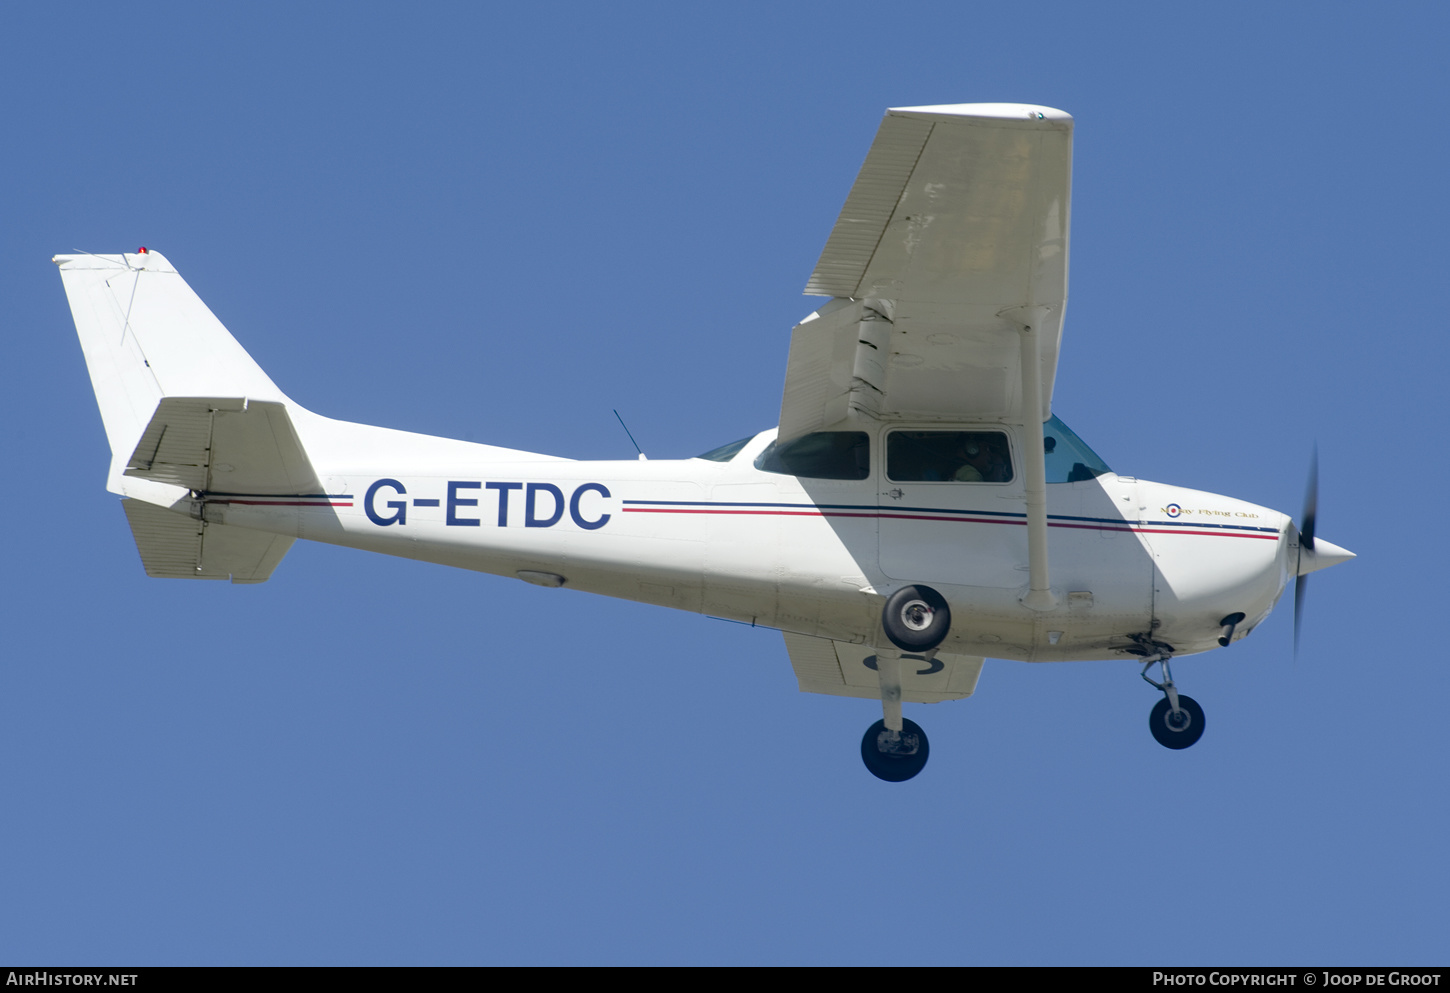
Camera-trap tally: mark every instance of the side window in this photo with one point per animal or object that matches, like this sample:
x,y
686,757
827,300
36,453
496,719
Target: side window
x,y
948,456
822,455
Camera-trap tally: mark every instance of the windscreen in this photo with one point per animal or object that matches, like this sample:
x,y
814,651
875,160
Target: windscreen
x,y
1069,460
725,452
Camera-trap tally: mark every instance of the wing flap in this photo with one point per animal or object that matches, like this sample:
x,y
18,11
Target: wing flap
x,y
836,668
818,381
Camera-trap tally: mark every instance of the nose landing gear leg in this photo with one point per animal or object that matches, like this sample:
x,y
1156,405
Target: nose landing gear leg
x,y
1177,720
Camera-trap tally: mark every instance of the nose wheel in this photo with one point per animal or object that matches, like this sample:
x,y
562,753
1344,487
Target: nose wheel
x,y
1176,730
1177,720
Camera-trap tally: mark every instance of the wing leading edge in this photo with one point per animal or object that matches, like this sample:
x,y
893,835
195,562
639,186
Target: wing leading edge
x,y
953,237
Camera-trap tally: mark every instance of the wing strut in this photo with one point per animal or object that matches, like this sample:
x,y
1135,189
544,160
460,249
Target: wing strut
x,y
1032,323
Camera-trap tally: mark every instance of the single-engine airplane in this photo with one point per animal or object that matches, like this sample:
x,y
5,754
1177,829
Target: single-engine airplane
x,y
917,509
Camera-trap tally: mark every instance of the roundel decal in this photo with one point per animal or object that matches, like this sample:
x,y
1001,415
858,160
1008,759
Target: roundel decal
x,y
932,665
1173,510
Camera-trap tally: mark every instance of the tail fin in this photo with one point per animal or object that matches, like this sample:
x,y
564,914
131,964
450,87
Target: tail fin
x,y
181,399
146,335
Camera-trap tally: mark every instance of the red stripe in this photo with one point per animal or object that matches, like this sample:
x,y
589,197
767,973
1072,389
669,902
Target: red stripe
x,y
752,513
954,520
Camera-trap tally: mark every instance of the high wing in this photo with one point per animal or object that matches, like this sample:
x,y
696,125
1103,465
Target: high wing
x,y
953,238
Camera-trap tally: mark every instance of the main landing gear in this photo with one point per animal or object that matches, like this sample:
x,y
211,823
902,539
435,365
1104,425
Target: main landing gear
x,y
1177,720
895,756
916,620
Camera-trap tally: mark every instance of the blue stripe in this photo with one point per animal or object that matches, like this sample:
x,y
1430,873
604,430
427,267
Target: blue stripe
x,y
1122,522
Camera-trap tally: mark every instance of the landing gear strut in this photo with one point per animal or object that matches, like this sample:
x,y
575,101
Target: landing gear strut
x,y
1177,720
916,619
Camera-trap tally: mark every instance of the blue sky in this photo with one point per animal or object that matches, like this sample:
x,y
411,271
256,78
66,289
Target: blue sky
x,y
500,224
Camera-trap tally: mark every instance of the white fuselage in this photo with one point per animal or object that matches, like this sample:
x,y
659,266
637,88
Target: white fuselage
x,y
1131,561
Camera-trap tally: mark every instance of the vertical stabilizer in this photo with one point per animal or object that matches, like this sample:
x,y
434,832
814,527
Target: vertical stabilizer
x,y
146,336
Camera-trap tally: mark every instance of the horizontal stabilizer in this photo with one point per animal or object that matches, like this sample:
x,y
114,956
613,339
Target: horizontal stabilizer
x,y
175,546
212,444
840,669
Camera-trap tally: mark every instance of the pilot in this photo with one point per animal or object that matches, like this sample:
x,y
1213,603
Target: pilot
x,y
981,462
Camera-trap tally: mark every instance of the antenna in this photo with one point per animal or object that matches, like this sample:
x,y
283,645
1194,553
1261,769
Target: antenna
x,y
631,436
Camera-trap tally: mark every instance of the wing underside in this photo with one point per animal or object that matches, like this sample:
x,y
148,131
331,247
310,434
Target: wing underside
x,y
953,237
840,669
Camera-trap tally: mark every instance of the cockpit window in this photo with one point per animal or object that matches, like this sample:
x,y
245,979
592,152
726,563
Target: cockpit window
x,y
1068,459
821,455
725,452
948,456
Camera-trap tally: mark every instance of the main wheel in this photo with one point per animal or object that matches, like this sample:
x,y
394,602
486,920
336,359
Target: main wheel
x,y
916,618
895,761
1179,732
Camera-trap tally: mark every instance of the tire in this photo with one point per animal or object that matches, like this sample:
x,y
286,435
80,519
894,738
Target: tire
x,y
916,618
894,768
1160,723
